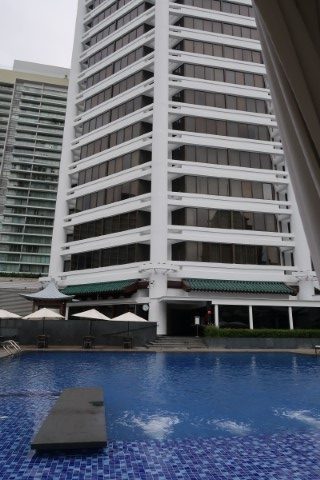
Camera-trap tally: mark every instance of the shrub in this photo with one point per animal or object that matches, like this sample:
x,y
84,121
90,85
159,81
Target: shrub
x,y
212,331
21,275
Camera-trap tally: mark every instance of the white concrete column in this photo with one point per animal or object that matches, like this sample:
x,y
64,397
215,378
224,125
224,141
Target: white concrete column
x,y
62,208
159,176
216,316
301,253
290,319
158,307
250,317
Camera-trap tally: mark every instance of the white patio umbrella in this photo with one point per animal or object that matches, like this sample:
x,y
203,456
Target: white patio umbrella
x,y
6,315
92,314
44,314
128,317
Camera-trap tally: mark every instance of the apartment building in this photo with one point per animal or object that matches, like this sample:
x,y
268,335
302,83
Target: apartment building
x,y
32,114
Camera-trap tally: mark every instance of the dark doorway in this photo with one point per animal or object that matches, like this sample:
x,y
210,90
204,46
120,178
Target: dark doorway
x,y
180,318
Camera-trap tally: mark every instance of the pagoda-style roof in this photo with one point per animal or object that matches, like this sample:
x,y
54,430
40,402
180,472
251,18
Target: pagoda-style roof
x,y
236,286
49,293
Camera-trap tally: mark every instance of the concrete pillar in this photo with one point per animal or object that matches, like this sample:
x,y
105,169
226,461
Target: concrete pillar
x,y
290,319
159,176
216,316
250,317
158,307
302,258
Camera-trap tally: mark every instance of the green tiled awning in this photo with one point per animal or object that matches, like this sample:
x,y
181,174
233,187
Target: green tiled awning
x,y
103,287
236,286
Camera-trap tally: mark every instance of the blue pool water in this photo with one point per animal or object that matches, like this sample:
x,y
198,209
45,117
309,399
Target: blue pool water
x,y
165,396
169,416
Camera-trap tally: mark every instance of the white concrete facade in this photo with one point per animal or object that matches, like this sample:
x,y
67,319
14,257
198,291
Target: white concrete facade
x,y
162,37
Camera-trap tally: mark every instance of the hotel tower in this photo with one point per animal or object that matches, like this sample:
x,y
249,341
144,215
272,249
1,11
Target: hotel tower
x,y
174,200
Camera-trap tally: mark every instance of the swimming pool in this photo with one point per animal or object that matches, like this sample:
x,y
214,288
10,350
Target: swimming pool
x,y
170,415
164,395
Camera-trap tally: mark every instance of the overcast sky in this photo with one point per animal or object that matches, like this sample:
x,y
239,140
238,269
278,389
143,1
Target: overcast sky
x,y
37,31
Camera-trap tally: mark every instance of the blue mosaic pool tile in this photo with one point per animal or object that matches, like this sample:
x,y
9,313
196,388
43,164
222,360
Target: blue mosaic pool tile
x,y
266,457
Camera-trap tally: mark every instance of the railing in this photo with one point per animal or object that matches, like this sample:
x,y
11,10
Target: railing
x,y
11,347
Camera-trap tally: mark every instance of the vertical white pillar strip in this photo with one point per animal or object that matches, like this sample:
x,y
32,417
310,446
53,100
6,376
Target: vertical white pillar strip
x,y
58,235
291,319
216,315
159,176
250,317
302,258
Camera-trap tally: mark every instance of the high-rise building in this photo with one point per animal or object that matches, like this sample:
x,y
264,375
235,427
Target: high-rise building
x,y
32,113
174,196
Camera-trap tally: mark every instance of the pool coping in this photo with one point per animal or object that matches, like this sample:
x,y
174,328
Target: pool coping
x,y
76,348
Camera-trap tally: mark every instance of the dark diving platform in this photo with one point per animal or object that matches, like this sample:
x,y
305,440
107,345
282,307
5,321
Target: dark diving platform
x,y
76,421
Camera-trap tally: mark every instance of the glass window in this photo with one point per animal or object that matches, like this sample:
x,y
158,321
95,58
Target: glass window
x,y
101,198
227,29
224,219
259,221
102,170
234,159
231,102
247,189
191,184
267,191
245,159
233,129
223,187
191,217
213,219
220,100
202,217
259,81
273,256
239,78
238,220
235,187
241,103
222,156
248,79
228,52
218,75
202,185
209,49
271,222
213,186
257,191
212,155
266,161
226,253
191,251
221,128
